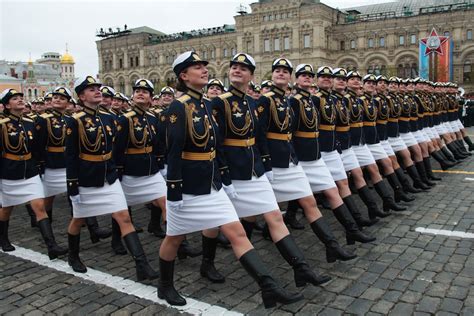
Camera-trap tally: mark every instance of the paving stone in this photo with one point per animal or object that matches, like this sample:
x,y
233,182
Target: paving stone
x,y
428,304
382,307
373,294
451,305
402,309
360,306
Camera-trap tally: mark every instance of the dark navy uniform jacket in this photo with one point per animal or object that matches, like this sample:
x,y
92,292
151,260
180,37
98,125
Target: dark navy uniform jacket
x,y
276,119
306,122
195,159
413,112
19,146
52,139
394,112
343,134
324,103
382,116
244,143
138,149
356,109
370,106
90,136
452,108
405,114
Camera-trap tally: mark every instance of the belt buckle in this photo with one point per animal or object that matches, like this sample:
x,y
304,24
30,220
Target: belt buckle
x,y
104,157
21,157
247,142
288,136
212,156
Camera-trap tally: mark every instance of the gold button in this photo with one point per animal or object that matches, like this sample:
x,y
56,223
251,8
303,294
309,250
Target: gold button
x,y
181,185
103,143
210,126
19,125
103,151
222,172
263,159
96,119
212,148
212,137
205,115
172,186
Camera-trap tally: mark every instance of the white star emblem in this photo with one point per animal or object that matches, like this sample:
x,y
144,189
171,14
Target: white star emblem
x,y
238,114
307,108
281,109
196,119
57,126
13,133
138,128
91,129
327,106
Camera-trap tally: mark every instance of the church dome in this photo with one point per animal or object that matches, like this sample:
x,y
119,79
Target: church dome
x,y
67,58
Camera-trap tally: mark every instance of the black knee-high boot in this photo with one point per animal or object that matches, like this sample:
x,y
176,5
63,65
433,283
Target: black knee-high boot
x,y
406,184
166,288
186,250
295,258
154,226
449,155
96,233
333,250
383,190
4,240
73,256
138,229
400,195
272,293
369,200
429,170
54,250
208,270
248,227
143,269
444,163
469,143
455,151
356,214
415,176
290,215
353,232
420,166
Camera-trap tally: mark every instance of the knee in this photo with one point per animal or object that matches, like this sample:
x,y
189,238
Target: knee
x,y
274,217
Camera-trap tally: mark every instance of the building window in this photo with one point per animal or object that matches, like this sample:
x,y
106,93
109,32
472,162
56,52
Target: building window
x,y
286,39
270,17
467,72
413,39
136,61
370,70
371,42
353,44
213,53
29,93
407,70
469,35
264,18
307,42
266,45
249,46
225,52
276,44
342,45
131,61
234,51
401,40
36,93
204,54
120,63
382,42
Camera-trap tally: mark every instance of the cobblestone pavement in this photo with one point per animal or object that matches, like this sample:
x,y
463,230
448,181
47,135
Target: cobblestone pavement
x,y
404,272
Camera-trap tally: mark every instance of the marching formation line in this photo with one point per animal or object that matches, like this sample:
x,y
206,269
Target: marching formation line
x,y
120,284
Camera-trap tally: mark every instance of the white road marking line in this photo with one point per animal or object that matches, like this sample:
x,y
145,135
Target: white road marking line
x,y
444,232
120,284
469,179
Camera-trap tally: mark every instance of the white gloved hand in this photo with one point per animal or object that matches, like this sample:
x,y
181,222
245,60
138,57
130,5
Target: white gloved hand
x,y
75,198
230,191
164,171
174,205
269,175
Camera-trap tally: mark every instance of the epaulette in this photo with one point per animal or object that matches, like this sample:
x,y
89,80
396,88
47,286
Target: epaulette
x,y
319,94
78,115
157,111
347,96
4,120
104,112
225,95
46,115
129,114
269,94
184,98
150,113
27,119
298,96
378,98
206,98
363,97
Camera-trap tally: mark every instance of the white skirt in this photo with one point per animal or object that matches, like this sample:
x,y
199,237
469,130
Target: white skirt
x,y
428,133
454,126
420,137
397,143
16,192
434,132
387,147
54,181
95,201
254,197
349,160
335,165
290,183
460,125
318,174
140,190
448,127
363,154
441,129
201,212
377,151
409,139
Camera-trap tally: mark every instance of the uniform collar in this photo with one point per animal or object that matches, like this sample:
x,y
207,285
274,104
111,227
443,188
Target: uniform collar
x,y
194,94
337,94
236,92
352,93
324,92
103,108
138,110
278,91
114,111
56,113
90,111
14,117
303,92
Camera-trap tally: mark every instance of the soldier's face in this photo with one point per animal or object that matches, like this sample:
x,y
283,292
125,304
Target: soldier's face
x,y
354,83
47,103
410,87
281,76
167,98
196,75
369,86
116,103
142,97
59,102
325,82
240,75
381,86
304,81
16,104
340,84
106,101
393,87
91,95
214,91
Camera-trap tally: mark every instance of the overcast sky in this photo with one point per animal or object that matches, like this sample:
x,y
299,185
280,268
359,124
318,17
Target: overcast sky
x,y
40,26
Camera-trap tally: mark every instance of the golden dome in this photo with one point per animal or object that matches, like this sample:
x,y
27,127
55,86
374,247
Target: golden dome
x,y
67,58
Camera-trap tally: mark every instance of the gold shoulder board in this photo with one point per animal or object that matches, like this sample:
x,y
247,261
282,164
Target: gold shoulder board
x,y
78,115
130,114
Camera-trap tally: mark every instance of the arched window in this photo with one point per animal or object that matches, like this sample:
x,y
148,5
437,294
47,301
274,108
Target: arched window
x,y
122,85
29,93
467,72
